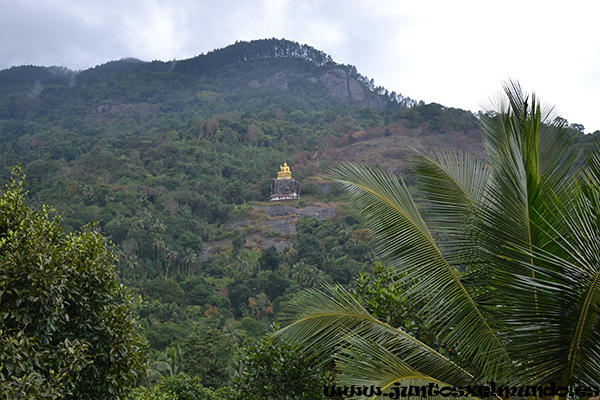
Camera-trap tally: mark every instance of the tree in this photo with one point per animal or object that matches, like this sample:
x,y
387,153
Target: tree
x,y
67,328
268,370
171,292
504,257
189,388
180,387
190,257
306,275
170,256
158,245
207,355
164,363
270,259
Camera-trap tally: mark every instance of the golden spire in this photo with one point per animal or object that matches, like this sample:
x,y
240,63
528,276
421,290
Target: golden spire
x,y
285,172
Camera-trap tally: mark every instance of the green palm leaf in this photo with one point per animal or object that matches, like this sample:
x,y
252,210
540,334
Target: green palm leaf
x,y
565,343
453,181
327,321
366,362
453,185
505,257
404,241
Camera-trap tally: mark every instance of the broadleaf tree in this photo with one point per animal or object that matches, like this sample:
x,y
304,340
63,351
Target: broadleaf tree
x,y
67,327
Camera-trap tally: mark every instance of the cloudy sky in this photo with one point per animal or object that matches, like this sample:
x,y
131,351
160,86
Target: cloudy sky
x,y
453,52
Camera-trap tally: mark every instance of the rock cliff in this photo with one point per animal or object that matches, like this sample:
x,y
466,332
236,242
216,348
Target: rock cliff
x,y
337,81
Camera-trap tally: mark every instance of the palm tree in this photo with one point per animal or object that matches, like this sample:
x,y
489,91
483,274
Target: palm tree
x,y
157,367
289,254
170,256
307,276
174,355
158,226
158,245
504,256
133,263
190,257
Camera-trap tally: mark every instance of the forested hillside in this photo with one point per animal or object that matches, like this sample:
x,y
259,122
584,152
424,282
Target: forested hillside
x,y
171,157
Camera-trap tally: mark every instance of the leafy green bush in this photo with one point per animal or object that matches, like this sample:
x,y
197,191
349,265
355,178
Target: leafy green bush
x,y
185,387
207,354
66,326
276,370
153,393
180,387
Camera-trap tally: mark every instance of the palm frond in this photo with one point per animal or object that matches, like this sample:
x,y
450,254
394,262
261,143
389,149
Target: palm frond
x,y
558,335
453,181
558,156
365,363
403,241
523,173
590,172
453,184
327,320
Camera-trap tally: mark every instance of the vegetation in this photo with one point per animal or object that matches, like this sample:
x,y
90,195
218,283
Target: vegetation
x,y
278,371
67,328
180,387
501,256
174,159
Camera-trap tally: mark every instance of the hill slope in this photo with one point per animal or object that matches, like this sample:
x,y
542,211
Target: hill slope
x,y
132,142
174,161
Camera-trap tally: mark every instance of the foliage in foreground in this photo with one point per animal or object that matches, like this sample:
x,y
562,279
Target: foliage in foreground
x,y
180,387
66,325
503,256
278,371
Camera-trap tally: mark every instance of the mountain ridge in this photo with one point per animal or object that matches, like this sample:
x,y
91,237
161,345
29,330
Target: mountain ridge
x,y
317,64
191,144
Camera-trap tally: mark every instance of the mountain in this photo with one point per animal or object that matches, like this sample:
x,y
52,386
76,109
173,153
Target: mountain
x,y
239,71
181,150
174,162
222,122
216,127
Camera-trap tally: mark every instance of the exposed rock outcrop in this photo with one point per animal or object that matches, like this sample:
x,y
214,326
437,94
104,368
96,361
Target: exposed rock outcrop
x,y
278,219
284,189
337,81
340,84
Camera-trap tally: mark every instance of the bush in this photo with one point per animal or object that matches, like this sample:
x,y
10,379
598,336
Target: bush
x,y
185,387
67,328
180,387
207,354
277,371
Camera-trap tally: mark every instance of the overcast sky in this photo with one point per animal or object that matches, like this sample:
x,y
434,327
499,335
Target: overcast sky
x,y
453,52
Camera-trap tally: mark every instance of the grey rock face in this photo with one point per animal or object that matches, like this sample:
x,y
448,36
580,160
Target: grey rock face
x,y
336,80
340,84
284,189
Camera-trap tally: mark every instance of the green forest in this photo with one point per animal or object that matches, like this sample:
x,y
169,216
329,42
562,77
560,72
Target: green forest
x,y
164,169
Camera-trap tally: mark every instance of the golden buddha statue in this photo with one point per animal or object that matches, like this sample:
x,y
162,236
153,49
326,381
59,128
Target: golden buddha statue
x,y
284,187
285,172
